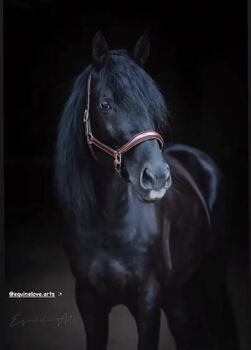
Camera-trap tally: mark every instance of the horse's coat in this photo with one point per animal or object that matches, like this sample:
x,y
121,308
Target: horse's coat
x,y
132,240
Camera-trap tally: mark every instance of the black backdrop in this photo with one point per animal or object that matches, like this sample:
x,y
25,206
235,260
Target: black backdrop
x,y
198,58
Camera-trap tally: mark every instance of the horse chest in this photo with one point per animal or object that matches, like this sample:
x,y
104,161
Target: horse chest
x,y
107,272
114,255
110,271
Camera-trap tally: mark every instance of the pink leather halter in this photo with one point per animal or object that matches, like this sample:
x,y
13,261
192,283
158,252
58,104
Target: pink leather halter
x,y
115,154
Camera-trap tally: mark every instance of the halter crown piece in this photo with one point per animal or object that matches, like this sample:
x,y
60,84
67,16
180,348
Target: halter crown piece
x,y
115,154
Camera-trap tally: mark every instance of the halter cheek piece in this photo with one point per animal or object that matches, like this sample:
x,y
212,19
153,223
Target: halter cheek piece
x,y
115,154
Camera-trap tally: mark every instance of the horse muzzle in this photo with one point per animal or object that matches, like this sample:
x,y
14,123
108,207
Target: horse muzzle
x,y
153,182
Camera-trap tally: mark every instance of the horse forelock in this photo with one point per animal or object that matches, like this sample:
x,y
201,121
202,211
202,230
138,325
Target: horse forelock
x,y
134,89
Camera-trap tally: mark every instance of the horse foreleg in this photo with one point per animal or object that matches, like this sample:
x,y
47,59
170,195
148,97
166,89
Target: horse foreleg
x,y
186,320
94,313
146,310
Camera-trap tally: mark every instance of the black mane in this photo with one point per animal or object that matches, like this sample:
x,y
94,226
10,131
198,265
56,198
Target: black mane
x,y
72,174
134,88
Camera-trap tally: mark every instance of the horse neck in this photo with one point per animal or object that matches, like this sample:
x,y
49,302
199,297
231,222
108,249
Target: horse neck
x,y
118,210
114,198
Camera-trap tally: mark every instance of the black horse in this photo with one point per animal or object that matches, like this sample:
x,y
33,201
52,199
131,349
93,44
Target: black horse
x,y
144,214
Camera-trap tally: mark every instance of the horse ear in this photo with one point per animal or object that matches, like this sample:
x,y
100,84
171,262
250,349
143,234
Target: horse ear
x,y
142,50
99,49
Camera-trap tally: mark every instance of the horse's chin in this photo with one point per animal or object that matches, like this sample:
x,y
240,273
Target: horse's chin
x,y
151,196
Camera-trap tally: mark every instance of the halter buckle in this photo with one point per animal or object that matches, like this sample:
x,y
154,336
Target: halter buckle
x,y
89,138
117,161
86,124
86,116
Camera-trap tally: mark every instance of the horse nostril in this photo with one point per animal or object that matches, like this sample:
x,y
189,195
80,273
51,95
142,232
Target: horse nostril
x,y
156,178
147,179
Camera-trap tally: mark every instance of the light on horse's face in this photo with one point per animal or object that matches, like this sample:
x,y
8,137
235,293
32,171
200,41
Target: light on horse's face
x,y
121,108
143,166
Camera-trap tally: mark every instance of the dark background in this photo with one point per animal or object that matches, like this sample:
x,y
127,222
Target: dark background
x,y
199,60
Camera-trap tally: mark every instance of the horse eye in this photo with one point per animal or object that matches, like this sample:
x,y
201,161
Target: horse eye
x,y
105,105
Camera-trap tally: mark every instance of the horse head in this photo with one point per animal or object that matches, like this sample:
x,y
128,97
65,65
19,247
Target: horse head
x,y
123,101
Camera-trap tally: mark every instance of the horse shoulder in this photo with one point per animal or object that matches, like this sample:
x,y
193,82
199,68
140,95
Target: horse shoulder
x,y
188,209
202,169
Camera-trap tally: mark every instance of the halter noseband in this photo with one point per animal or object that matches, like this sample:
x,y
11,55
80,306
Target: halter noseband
x,y
115,154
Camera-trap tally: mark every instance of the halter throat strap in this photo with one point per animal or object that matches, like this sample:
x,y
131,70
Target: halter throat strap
x,y
116,154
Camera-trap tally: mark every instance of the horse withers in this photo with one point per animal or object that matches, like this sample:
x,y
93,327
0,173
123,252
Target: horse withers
x,y
144,214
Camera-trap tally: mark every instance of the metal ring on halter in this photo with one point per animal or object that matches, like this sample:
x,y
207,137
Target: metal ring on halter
x,y
117,161
86,124
89,138
86,116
